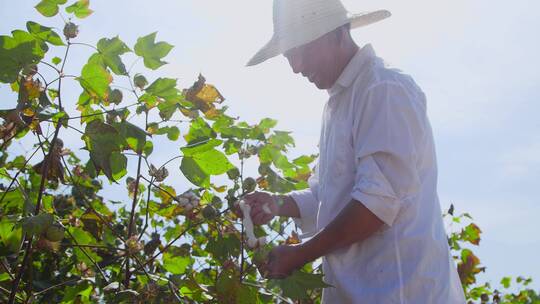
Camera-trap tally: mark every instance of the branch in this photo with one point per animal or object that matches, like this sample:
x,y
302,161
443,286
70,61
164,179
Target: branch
x,y
89,257
28,249
89,206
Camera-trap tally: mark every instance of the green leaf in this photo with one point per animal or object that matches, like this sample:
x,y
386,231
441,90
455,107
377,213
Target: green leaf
x,y
148,148
18,51
49,8
173,133
303,160
111,49
37,224
95,78
151,51
213,162
80,9
10,235
224,247
175,264
102,140
471,233
83,237
298,283
56,60
506,282
198,167
194,173
200,147
281,139
164,88
266,124
79,293
118,165
44,33
134,137
167,108
199,131
232,146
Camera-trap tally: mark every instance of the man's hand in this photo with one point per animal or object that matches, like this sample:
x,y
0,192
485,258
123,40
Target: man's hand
x,y
282,261
263,207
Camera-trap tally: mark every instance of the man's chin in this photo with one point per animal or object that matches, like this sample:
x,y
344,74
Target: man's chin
x,y
321,86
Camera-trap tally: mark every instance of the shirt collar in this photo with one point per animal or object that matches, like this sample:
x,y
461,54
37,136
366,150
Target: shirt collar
x,y
353,68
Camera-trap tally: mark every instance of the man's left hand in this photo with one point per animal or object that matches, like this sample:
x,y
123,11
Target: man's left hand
x,y
283,260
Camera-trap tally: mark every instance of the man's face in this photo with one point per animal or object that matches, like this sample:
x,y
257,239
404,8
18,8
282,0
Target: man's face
x,y
316,60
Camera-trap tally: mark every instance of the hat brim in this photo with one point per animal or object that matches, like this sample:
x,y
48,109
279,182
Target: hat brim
x,y
274,47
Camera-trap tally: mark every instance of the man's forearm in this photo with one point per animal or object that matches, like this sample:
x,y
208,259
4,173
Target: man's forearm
x,y
287,206
353,224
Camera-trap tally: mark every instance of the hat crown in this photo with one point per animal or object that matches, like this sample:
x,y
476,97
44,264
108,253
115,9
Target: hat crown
x,y
294,14
297,22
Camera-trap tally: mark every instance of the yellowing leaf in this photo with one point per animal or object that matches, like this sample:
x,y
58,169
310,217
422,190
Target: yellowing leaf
x,y
203,96
33,89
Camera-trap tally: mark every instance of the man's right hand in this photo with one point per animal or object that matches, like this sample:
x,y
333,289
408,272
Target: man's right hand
x,y
263,207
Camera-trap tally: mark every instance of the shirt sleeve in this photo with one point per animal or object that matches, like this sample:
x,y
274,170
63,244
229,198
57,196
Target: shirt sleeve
x,y
386,133
307,201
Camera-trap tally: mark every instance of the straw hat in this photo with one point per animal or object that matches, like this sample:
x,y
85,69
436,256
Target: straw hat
x,y
297,22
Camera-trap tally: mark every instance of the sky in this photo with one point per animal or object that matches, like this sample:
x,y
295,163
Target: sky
x,y
476,60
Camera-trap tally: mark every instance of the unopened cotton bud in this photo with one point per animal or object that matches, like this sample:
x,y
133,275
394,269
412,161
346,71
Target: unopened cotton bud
x,y
182,201
188,207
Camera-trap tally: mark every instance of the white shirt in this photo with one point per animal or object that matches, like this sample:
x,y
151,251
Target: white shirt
x,y
376,146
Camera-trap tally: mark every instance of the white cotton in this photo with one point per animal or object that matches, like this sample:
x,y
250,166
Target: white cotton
x,y
252,240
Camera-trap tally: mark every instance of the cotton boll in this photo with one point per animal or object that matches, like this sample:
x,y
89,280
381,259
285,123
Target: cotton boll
x,y
182,201
190,195
188,207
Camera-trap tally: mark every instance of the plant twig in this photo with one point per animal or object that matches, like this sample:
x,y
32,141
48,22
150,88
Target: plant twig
x,y
17,174
55,286
89,257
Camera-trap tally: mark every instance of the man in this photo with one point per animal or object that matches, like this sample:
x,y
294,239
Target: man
x,y
372,209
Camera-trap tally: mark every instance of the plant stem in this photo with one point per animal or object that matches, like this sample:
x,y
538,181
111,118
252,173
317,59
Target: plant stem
x,y
28,249
147,210
133,205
